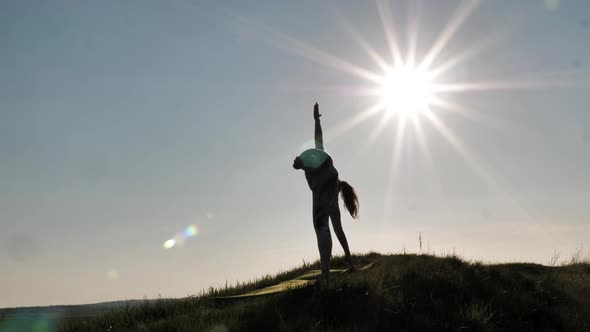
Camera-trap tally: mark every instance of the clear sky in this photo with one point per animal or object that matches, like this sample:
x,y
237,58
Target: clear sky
x,y
123,123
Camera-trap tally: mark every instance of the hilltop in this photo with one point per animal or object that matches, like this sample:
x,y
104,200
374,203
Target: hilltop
x,y
400,292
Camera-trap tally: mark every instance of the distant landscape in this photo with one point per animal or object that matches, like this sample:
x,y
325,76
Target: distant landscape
x,y
45,318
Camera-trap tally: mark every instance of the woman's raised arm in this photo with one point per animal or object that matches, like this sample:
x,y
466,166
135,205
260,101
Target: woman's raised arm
x,y
319,141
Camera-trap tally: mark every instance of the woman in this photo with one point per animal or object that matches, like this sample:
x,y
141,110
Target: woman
x,y
323,181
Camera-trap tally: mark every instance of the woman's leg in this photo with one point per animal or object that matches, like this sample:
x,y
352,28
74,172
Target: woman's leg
x,y
337,226
322,232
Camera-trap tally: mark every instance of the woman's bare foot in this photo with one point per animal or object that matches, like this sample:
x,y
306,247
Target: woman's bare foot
x,y
349,262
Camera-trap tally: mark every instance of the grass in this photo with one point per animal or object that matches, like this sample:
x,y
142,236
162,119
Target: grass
x,y
402,292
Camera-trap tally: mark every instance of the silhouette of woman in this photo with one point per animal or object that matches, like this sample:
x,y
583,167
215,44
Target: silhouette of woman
x,y
322,178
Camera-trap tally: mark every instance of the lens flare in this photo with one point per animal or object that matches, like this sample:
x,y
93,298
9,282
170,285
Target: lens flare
x,y
169,244
35,321
181,237
552,4
190,231
112,274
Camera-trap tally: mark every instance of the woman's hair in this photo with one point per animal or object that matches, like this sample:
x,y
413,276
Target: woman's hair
x,y
350,198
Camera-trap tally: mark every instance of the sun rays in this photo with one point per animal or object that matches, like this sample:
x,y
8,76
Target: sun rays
x,y
410,89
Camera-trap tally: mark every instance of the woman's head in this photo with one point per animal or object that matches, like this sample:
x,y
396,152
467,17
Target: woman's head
x,y
297,163
350,199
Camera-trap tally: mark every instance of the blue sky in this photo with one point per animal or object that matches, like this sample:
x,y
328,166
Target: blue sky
x,y
123,123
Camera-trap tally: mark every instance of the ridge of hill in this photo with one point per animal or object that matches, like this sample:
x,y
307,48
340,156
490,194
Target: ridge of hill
x,y
400,292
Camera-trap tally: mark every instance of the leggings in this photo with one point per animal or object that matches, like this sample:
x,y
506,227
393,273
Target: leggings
x,y
326,207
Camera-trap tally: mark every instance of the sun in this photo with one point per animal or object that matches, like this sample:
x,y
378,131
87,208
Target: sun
x,y
406,90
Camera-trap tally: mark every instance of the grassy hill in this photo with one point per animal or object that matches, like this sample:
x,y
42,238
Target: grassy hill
x,y
401,292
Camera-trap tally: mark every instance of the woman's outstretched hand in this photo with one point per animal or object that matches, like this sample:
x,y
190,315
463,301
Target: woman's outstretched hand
x,y
316,111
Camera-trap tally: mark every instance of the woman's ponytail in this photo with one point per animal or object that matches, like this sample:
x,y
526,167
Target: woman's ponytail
x,y
350,199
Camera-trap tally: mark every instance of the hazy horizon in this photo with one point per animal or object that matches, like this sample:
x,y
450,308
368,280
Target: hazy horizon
x,y
124,125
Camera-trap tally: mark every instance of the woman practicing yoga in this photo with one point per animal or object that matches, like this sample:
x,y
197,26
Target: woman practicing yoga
x,y
325,185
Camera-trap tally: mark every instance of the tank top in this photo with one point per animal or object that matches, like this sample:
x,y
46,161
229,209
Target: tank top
x,y
319,169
